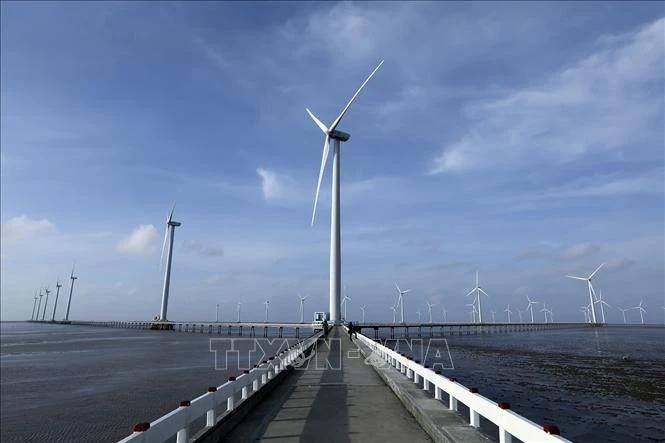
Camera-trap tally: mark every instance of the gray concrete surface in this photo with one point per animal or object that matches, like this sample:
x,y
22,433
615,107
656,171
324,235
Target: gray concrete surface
x,y
348,404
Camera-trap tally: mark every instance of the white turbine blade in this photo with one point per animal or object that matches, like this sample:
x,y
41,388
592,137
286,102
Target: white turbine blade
x,y
576,278
161,259
171,214
597,269
471,292
324,158
481,290
346,108
398,289
318,122
406,291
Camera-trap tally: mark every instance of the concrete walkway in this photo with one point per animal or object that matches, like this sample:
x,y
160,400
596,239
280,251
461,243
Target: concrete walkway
x,y
351,403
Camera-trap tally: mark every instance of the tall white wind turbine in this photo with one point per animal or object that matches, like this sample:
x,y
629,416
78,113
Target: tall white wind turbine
x,y
586,314
72,279
519,312
57,293
302,308
478,290
473,312
444,314
345,302
623,312
169,234
429,310
337,137
39,306
591,291
642,310
400,300
545,310
362,308
394,309
530,306
267,303
507,310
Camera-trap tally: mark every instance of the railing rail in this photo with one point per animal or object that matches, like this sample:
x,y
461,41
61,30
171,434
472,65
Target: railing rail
x,y
510,424
178,421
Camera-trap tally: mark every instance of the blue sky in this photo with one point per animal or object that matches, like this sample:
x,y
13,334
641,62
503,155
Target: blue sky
x,y
524,140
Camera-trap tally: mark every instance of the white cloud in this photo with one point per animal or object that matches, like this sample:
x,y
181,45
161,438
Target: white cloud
x,y
280,188
609,186
579,250
271,185
603,103
199,248
24,227
140,242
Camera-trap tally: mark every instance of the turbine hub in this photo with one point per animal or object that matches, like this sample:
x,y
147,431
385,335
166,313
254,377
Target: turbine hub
x,y
339,135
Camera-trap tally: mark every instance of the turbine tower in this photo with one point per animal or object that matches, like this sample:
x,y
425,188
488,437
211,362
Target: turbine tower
x,y
45,302
429,310
302,308
478,290
444,315
519,312
591,291
530,306
623,312
400,300
72,278
362,308
584,310
345,302
394,309
473,311
169,234
34,305
545,311
217,313
419,314
267,303
57,293
238,310
337,137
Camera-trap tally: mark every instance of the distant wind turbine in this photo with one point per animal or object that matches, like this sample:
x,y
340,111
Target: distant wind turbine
x,y
493,317
507,310
472,314
362,308
519,312
302,307
394,309
57,294
584,310
530,306
169,235
34,305
238,307
267,303
478,290
400,300
419,314
331,132
429,310
602,302
39,306
642,310
72,279
217,315
623,312
345,302
444,315
45,302
591,291
545,311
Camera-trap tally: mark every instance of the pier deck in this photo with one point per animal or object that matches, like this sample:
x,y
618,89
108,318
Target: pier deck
x,y
348,404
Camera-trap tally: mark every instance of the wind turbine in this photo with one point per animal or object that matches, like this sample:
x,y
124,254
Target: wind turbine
x,y
642,310
45,302
519,312
429,309
362,308
507,310
267,303
591,291
217,313
57,294
549,311
302,308
39,306
473,311
545,311
584,310
493,318
345,301
530,306
337,137
238,311
34,305
444,313
394,309
623,312
400,300
478,290
602,302
72,278
169,233
419,314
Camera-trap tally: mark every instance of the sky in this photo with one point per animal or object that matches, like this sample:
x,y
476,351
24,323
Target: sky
x,y
522,140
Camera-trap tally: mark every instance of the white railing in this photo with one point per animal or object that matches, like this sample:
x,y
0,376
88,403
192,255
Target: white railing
x,y
510,423
178,421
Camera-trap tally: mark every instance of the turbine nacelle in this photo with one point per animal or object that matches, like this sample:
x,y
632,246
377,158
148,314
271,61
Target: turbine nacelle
x,y
339,135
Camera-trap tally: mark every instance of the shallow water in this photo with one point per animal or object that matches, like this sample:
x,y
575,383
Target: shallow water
x,y
76,383
598,385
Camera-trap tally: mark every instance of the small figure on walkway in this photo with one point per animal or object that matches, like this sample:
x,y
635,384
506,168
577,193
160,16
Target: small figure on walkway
x,y
352,331
326,329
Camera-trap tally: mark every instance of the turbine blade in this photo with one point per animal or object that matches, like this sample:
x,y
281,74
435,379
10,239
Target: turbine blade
x,y
324,158
166,234
398,289
471,292
597,269
576,278
318,122
171,214
346,108
481,290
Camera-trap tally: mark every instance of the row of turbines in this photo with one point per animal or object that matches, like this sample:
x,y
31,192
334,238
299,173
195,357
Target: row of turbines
x,y
37,307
